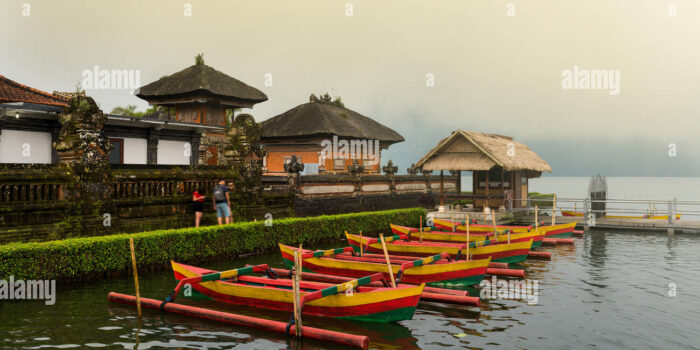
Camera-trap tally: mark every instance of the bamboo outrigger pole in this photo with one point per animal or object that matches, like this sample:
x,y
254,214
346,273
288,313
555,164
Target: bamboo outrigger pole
x,y
388,262
136,277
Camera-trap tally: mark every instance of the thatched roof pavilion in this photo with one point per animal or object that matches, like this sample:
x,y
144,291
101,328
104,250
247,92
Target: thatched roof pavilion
x,y
303,130
200,83
318,118
500,164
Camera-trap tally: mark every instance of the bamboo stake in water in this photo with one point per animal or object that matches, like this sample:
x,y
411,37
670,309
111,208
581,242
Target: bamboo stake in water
x,y
554,210
297,293
295,300
493,219
136,276
388,262
420,237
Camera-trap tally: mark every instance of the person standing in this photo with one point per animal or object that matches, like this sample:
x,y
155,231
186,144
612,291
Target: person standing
x,y
198,205
222,202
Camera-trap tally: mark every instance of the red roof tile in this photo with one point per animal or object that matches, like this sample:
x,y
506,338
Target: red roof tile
x,y
12,91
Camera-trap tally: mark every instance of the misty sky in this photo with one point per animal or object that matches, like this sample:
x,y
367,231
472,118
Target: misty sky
x,y
492,72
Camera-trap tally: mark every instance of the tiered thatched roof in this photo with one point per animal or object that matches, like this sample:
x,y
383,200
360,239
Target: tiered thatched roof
x,y
200,82
470,151
319,118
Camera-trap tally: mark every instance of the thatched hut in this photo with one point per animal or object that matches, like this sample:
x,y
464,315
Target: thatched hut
x,y
500,166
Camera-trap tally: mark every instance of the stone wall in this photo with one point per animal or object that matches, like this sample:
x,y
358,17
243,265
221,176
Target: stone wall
x,y
329,194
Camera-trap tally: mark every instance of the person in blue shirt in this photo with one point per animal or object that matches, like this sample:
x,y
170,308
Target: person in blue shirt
x,y
222,202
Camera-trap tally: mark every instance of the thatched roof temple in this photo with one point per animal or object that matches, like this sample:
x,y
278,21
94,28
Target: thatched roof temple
x,y
200,83
302,130
318,118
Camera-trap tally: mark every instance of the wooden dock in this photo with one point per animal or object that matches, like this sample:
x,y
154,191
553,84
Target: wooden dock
x,y
619,224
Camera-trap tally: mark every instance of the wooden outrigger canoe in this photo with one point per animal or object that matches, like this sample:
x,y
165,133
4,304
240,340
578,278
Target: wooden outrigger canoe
x,y
555,231
461,237
648,217
507,253
317,299
434,270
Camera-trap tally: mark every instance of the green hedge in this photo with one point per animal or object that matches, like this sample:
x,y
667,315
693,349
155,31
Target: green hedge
x,y
83,258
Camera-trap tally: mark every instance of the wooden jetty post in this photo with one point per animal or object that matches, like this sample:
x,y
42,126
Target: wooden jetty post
x,y
536,211
388,262
136,276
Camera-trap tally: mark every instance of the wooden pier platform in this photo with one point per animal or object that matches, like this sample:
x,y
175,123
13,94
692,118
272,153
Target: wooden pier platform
x,y
619,224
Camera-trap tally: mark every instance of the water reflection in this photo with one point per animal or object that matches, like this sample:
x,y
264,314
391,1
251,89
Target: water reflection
x,y
671,244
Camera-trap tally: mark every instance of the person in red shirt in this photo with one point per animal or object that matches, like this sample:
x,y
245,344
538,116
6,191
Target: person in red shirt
x,y
198,205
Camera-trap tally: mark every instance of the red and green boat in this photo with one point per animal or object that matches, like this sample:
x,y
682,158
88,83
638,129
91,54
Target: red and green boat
x,y
461,237
551,231
435,270
349,300
510,253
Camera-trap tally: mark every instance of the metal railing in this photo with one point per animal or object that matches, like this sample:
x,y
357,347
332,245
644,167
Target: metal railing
x,y
641,208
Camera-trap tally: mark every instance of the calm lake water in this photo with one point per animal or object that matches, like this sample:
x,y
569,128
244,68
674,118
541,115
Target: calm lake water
x,y
611,290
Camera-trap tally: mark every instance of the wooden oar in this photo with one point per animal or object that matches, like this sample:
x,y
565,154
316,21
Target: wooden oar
x,y
554,210
360,242
420,238
388,262
468,257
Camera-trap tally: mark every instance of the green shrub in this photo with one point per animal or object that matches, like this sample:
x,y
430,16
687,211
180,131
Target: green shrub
x,y
82,258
